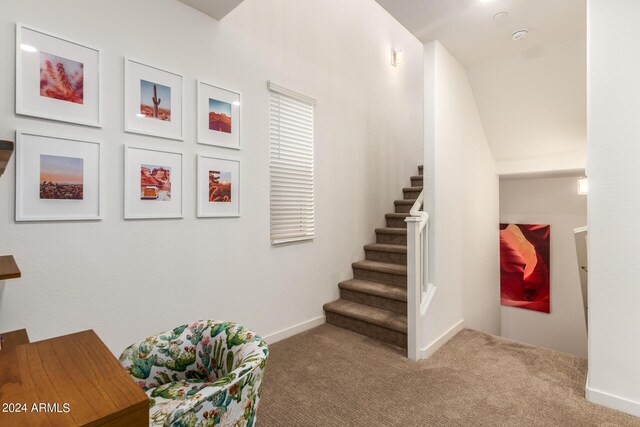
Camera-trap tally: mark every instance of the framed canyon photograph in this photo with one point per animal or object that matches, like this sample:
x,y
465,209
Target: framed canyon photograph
x,y
524,266
218,116
56,78
152,183
153,101
57,178
218,187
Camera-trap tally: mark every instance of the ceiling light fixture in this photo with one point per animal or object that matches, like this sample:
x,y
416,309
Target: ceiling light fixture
x,y
520,34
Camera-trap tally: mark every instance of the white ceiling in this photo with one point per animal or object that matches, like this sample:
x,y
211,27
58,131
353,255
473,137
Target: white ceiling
x,y
531,93
217,9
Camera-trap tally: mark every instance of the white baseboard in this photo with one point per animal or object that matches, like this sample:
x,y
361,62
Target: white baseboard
x,y
427,351
293,330
611,401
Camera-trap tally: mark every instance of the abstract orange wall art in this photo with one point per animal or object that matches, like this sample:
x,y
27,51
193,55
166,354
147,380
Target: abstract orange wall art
x,y
524,266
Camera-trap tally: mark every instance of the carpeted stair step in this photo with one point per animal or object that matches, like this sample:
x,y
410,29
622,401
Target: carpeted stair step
x,y
411,192
381,252
396,220
417,181
403,206
377,323
391,236
420,167
387,297
380,272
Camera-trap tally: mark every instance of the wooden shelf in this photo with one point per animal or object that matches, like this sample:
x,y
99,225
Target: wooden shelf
x,y
6,150
8,268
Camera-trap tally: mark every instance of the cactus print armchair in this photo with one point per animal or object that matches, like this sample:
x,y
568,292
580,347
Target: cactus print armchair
x,y
207,373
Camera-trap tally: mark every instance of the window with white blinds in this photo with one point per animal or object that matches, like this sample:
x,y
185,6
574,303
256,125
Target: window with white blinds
x,y
291,165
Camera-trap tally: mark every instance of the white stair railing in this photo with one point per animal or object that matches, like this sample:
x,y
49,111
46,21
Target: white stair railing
x,y
419,291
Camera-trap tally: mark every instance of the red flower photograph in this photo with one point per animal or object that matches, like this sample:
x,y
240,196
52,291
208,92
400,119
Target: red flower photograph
x,y
524,266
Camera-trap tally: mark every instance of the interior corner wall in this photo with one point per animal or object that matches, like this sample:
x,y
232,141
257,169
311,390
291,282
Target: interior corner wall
x,y
462,198
553,201
614,203
130,279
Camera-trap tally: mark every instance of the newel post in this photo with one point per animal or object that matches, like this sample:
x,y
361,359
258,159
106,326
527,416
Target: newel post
x,y
414,287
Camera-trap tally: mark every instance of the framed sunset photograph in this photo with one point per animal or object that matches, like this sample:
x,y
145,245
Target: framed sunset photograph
x,y
218,187
154,103
152,183
57,178
218,116
56,78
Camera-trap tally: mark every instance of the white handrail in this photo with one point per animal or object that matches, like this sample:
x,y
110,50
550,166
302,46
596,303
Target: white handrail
x,y
419,291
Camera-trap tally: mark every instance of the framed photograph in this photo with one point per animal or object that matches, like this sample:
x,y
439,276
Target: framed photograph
x,y
218,116
57,179
218,187
153,101
56,78
152,183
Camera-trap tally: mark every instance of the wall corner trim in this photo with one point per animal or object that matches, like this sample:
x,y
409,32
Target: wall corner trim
x,y
442,340
293,330
612,401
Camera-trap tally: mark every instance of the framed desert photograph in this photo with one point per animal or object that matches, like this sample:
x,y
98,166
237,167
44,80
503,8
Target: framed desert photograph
x,y
153,101
218,187
152,183
57,178
218,116
56,78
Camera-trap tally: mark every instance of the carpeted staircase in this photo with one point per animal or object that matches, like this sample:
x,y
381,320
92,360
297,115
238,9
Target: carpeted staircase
x,y
374,302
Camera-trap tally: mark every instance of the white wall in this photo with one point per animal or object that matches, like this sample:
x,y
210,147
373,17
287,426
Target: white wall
x,y
553,201
614,204
462,198
533,102
130,279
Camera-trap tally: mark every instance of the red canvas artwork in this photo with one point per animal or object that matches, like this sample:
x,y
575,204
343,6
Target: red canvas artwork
x,y
524,266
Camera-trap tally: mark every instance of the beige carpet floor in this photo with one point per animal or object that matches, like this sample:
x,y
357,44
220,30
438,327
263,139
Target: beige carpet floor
x,y
329,376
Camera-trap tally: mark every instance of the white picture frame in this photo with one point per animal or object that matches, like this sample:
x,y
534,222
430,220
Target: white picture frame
x,y
57,78
50,171
214,100
161,167
141,82
227,200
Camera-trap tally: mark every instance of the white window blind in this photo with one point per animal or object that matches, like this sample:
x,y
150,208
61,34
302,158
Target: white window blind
x,y
291,165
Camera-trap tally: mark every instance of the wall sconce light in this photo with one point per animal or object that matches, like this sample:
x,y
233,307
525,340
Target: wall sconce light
x,y
397,57
583,186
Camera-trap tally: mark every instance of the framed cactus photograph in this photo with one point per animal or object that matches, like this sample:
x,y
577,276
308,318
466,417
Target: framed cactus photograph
x,y
56,78
218,116
153,100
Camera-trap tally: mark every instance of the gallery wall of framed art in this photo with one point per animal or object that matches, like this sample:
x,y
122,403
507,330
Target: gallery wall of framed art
x,y
58,177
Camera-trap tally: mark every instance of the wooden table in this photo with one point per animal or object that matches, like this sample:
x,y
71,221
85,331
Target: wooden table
x,y
72,380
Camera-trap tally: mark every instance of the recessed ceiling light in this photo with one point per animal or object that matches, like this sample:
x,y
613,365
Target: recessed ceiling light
x,y
501,16
140,115
520,34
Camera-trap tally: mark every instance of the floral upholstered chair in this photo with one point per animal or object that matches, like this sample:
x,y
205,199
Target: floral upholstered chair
x,y
207,373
